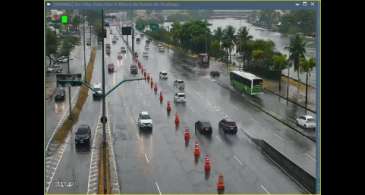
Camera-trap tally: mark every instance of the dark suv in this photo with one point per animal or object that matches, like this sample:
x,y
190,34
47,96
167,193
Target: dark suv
x,y
133,69
227,126
60,95
204,127
83,136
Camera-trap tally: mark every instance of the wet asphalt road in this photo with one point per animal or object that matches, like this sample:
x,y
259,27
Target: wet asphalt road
x,y
159,161
72,172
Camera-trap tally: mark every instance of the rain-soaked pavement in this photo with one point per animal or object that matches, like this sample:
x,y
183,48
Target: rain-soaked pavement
x,y
160,162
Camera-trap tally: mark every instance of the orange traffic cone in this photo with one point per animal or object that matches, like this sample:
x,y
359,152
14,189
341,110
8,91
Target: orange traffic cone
x,y
196,150
161,97
148,77
220,183
186,135
151,84
207,164
168,107
177,120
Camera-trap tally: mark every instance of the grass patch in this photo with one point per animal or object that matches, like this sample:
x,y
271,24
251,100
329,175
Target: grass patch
x,y
62,132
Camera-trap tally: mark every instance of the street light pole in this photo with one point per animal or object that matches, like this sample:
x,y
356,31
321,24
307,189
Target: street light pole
x,y
103,104
84,53
132,29
69,87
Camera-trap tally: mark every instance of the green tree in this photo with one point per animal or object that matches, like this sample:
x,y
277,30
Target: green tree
x,y
68,44
296,51
52,43
228,38
307,66
176,32
280,62
76,22
242,41
218,35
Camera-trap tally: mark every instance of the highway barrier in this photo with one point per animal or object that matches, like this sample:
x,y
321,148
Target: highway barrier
x,y
299,175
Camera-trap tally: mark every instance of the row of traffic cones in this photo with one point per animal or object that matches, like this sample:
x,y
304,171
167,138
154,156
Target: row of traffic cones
x,y
187,135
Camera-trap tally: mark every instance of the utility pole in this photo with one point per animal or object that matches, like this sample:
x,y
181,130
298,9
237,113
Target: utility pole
x,y
84,52
103,118
69,87
287,87
132,29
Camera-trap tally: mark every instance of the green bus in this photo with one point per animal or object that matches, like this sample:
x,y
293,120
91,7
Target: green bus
x,y
246,82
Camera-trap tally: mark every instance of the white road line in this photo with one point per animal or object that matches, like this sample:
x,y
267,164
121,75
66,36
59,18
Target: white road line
x,y
158,188
238,160
310,156
267,192
145,155
218,138
62,149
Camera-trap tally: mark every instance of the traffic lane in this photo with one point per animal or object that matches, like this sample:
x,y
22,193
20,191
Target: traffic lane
x,y
55,111
74,165
292,144
152,153
232,147
212,109
255,121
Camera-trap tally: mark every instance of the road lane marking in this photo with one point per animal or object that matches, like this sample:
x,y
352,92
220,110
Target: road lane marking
x,y
310,156
158,188
145,155
267,192
218,138
53,173
238,160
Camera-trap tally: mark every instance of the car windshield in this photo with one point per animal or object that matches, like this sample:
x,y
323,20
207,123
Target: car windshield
x,y
145,116
205,124
164,73
230,123
181,95
82,131
310,120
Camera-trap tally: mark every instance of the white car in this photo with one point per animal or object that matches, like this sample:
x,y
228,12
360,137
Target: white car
x,y
306,121
163,75
161,49
144,120
179,98
180,84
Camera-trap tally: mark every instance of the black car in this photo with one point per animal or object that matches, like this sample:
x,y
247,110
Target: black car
x,y
60,95
227,126
134,69
98,93
83,136
204,127
214,73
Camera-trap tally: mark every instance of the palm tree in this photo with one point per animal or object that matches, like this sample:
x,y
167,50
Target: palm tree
x,y
242,40
218,34
280,62
296,51
228,39
307,66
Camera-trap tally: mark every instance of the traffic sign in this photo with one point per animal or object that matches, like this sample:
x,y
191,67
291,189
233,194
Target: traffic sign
x,y
64,19
154,27
126,30
69,79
